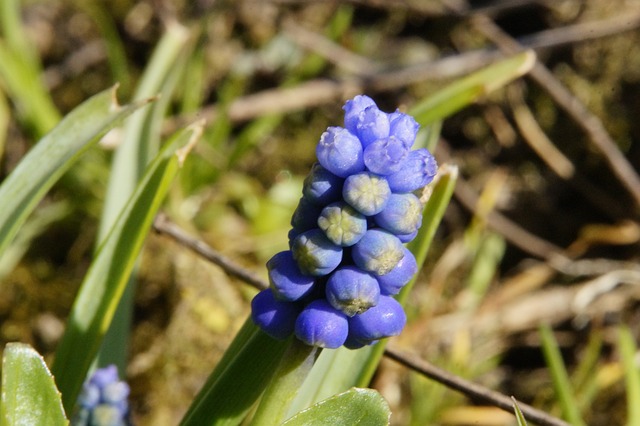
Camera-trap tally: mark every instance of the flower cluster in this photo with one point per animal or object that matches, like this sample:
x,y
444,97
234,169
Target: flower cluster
x,y
335,285
103,401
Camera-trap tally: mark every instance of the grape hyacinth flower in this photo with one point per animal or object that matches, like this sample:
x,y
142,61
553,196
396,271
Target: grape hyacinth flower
x,y
103,400
347,258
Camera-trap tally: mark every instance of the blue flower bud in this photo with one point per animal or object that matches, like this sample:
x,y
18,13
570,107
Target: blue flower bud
x,y
275,317
320,324
340,152
385,319
352,343
385,156
315,254
403,127
321,186
342,224
392,282
285,278
418,170
305,216
352,290
352,109
373,124
402,214
405,238
377,252
366,192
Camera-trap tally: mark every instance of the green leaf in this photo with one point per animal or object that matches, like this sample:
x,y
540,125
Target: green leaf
x,y
628,350
467,90
29,394
53,155
107,276
518,413
560,377
353,407
238,380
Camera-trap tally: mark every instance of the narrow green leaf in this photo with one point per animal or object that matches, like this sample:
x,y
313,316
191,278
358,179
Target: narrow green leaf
x,y
628,350
467,90
559,376
519,416
238,380
29,394
353,407
105,281
53,155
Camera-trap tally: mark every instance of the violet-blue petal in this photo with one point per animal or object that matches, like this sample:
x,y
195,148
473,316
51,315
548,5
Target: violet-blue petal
x,y
385,319
366,192
378,252
352,290
373,124
340,152
321,186
392,282
315,254
403,127
342,224
320,324
275,317
286,280
305,216
417,171
406,238
385,156
352,109
401,215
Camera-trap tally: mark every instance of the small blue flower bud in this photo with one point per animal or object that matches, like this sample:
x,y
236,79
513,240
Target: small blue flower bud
x,y
352,343
366,192
385,156
373,124
342,224
321,186
392,282
285,278
315,254
352,290
352,109
418,170
320,324
377,252
340,152
402,214
103,400
405,238
403,127
385,319
275,317
305,216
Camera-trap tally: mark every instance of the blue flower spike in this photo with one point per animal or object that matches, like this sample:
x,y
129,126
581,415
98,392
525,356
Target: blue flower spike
x,y
103,400
347,258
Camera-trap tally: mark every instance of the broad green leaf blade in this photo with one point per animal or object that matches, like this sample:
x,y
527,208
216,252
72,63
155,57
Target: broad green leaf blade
x,y
338,370
29,394
105,281
238,380
467,90
140,142
560,377
628,350
518,413
53,155
353,407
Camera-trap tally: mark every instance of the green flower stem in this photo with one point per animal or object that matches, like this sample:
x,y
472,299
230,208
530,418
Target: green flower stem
x,y
291,373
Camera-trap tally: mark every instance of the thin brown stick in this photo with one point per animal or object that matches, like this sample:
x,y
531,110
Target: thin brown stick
x,y
589,122
164,226
470,389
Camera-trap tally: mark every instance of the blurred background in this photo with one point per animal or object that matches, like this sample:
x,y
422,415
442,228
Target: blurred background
x,y
543,228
